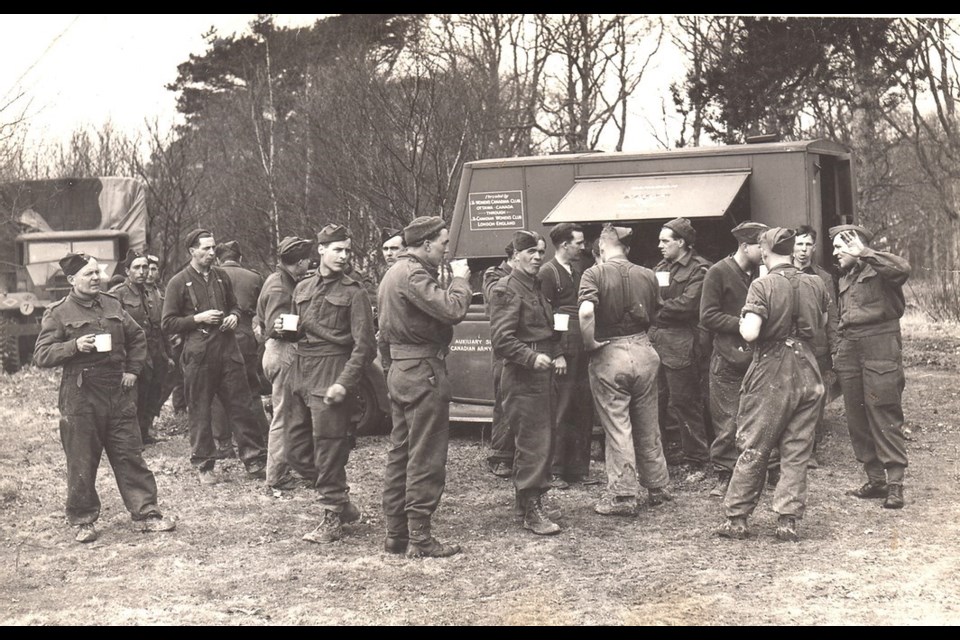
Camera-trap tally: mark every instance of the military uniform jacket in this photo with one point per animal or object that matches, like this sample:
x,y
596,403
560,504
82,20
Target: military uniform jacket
x,y
73,316
143,306
871,294
725,288
335,319
521,320
247,285
681,297
416,314
276,297
492,276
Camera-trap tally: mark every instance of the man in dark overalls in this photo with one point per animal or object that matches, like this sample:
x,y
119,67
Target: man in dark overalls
x,y
200,306
521,330
782,389
141,304
335,344
868,361
724,292
573,430
416,321
676,337
276,298
502,439
618,301
102,351
247,285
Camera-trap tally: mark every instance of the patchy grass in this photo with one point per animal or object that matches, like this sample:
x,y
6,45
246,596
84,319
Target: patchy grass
x,y
237,557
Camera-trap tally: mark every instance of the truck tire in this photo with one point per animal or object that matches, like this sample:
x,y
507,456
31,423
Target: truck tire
x,y
372,421
9,347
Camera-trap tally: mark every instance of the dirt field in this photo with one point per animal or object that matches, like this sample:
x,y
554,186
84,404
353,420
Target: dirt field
x,y
237,558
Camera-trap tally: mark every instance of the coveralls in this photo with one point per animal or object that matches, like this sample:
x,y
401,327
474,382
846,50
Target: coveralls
x,y
96,413
623,374
416,321
782,391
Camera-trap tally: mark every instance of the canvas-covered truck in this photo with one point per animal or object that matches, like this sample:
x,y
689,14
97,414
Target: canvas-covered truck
x,y
40,221
777,183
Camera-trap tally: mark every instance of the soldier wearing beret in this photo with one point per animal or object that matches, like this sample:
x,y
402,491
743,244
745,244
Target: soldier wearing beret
x,y
618,301
137,300
276,298
200,306
500,460
826,342
247,285
675,336
334,344
416,321
102,351
782,389
521,330
724,292
868,360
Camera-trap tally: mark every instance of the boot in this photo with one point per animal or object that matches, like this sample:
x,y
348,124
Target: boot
x,y
329,529
535,520
870,489
894,498
723,481
658,496
397,539
735,527
423,545
787,529
86,533
551,511
350,513
609,505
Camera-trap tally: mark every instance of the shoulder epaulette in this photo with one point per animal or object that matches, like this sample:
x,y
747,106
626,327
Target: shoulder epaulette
x,y
57,303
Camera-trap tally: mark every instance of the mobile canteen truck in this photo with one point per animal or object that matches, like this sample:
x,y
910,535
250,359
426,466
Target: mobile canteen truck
x,y
785,184
40,221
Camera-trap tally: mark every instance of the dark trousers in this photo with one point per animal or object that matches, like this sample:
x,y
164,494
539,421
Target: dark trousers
x,y
222,430
417,456
871,376
529,408
218,372
680,390
97,417
317,435
574,424
146,386
725,382
782,396
502,438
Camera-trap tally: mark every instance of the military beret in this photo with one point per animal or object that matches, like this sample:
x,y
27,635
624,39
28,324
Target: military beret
x,y
152,259
232,247
748,231
333,233
71,263
683,228
866,235
194,236
779,240
388,234
523,240
558,232
292,245
132,255
421,228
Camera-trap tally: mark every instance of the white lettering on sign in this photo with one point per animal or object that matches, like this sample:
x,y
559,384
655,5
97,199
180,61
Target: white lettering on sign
x,y
495,210
471,345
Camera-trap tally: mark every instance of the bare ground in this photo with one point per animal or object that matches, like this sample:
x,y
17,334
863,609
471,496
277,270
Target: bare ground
x,y
236,557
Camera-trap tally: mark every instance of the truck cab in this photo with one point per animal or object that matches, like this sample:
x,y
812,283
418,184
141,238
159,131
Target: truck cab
x,y
784,184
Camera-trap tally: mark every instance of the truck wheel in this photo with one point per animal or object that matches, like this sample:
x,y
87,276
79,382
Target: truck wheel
x,y
9,347
372,420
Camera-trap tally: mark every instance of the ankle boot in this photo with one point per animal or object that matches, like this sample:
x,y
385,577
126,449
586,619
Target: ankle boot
x,y
424,545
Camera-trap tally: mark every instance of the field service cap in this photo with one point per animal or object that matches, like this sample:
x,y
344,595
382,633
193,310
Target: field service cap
x,y
523,240
332,233
153,259
748,232
389,234
194,236
71,263
421,228
780,240
292,245
866,235
623,233
683,228
228,247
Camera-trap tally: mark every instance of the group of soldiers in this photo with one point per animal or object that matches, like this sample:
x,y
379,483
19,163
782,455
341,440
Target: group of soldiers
x,y
568,344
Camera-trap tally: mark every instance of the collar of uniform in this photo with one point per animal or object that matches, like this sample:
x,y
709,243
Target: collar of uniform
x,y
786,266
685,258
230,263
286,275
198,274
505,267
528,281
410,256
133,285
84,302
333,277
618,258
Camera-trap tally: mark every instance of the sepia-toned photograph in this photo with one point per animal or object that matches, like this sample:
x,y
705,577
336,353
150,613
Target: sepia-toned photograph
x,y
479,320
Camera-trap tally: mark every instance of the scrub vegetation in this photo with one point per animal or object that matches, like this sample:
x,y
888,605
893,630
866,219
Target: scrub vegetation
x,y
237,557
